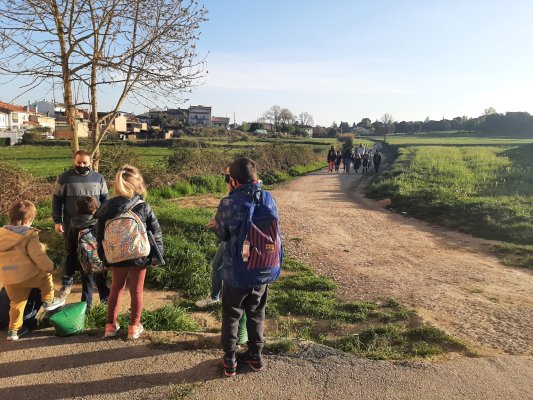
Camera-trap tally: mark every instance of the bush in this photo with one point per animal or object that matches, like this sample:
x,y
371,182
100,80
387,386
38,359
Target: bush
x,y
114,157
15,184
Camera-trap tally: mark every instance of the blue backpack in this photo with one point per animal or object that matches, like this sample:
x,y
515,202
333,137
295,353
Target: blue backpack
x,y
259,234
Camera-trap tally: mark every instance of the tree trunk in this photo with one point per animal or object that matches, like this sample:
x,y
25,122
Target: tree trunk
x,y
70,109
95,129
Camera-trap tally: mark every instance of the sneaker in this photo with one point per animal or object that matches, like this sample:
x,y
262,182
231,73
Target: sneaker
x,y
254,361
230,366
64,291
52,305
16,335
111,330
206,302
134,331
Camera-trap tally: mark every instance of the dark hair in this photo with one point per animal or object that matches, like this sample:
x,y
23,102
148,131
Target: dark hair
x,y
243,170
86,205
21,212
81,153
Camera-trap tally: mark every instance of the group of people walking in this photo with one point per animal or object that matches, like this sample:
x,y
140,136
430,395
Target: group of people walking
x,y
122,234
360,157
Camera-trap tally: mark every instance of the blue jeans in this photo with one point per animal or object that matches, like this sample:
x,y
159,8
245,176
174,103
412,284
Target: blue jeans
x,y
216,273
347,162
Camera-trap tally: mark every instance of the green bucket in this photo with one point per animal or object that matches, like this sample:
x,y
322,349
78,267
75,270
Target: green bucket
x,y
70,319
242,333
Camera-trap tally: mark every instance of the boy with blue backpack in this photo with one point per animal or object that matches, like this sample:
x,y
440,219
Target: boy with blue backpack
x,y
247,220
81,247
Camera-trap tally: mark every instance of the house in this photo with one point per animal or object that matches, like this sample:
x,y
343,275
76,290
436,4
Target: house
x,y
12,117
43,121
63,128
115,127
199,116
307,130
220,122
169,117
135,125
46,110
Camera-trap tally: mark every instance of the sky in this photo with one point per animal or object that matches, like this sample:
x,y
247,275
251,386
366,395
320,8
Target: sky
x,y
344,60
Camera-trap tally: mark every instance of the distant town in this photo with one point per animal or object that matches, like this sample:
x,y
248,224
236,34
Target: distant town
x,y
49,119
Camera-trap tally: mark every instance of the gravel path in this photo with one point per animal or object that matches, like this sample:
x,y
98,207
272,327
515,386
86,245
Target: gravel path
x,y
448,277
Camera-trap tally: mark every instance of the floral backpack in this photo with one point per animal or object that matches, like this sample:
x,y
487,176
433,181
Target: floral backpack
x,y
125,237
88,252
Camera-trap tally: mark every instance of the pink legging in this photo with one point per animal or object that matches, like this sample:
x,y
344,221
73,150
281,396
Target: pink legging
x,y
118,283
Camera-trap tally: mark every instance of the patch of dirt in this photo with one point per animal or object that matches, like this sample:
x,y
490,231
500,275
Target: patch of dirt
x,y
448,277
197,201
153,299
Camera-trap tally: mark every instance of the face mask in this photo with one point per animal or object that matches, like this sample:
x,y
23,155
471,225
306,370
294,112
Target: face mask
x,y
82,170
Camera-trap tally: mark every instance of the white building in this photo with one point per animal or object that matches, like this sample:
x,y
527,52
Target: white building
x,y
199,116
12,117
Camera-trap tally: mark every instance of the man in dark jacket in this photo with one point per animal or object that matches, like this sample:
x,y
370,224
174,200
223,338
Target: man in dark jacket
x,y
69,187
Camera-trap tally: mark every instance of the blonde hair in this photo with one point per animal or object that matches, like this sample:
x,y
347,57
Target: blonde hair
x,y
128,182
22,212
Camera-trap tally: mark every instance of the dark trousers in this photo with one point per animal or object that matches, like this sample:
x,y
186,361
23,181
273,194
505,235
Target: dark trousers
x,y
88,281
71,264
216,273
236,301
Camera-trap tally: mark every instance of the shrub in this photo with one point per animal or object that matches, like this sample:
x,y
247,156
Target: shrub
x,y
114,157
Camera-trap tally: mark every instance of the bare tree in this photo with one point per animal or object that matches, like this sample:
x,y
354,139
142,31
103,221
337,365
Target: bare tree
x,y
272,115
388,122
286,116
306,118
137,49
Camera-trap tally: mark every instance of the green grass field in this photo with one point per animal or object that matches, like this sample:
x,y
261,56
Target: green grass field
x,y
479,185
44,161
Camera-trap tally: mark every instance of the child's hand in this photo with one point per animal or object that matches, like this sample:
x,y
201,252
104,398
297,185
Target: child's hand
x,y
59,228
212,224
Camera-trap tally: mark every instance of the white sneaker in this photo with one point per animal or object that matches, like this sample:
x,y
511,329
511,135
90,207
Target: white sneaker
x,y
206,302
134,331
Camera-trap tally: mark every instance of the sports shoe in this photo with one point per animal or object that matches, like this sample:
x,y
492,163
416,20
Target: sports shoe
x,y
64,291
134,331
111,330
15,335
52,305
253,360
230,366
206,302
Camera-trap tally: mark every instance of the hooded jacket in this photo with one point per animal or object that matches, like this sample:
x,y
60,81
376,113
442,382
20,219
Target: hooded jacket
x,y
77,223
118,205
22,255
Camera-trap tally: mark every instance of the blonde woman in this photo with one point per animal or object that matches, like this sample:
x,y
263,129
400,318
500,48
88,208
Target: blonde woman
x,y
124,223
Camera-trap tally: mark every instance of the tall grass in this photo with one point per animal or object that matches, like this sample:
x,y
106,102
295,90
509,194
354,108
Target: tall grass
x,y
486,191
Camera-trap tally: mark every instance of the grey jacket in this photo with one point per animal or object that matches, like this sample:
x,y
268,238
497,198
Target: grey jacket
x,y
69,187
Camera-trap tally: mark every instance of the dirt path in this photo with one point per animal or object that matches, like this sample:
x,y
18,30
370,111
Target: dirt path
x,y
449,278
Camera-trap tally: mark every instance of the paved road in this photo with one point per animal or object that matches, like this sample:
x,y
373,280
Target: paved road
x,y
84,367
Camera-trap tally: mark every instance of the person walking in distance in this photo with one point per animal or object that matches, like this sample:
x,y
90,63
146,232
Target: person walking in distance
x,y
347,157
79,181
377,160
331,159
